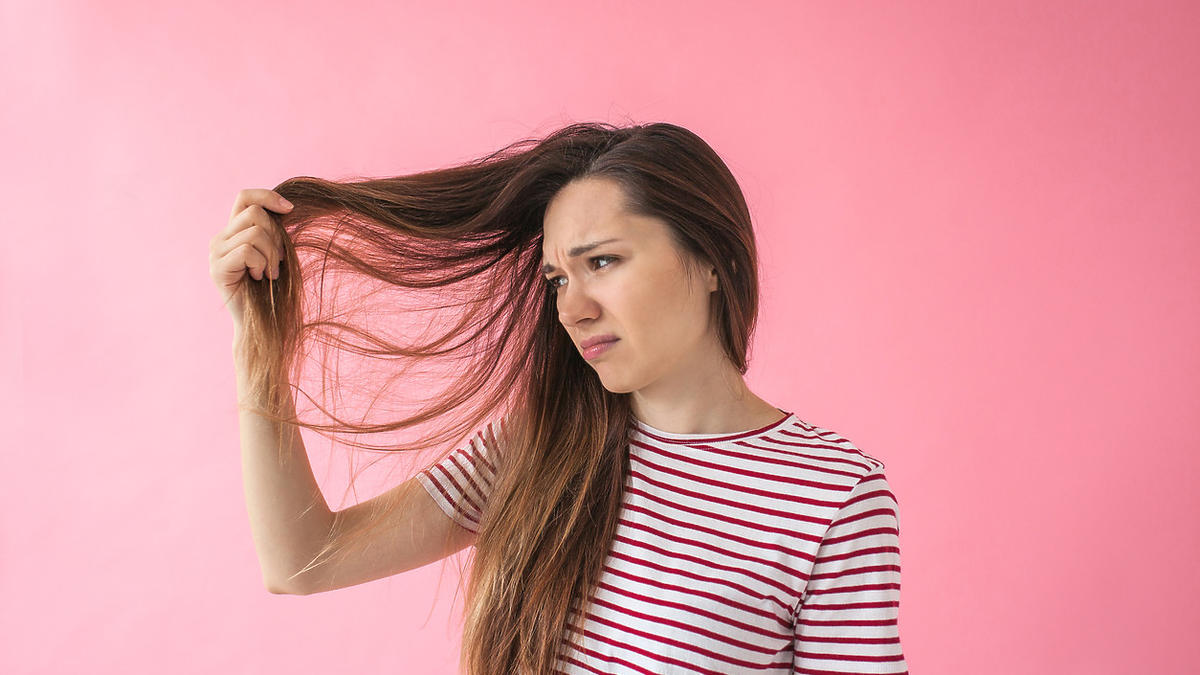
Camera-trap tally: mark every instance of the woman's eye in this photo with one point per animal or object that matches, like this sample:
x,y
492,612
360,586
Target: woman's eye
x,y
603,257
551,281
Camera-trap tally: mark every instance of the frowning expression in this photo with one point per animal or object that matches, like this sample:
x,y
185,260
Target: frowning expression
x,y
615,273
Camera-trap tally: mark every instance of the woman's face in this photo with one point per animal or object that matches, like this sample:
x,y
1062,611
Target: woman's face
x,y
633,288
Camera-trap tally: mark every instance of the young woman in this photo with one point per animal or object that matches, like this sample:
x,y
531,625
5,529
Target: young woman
x,y
633,506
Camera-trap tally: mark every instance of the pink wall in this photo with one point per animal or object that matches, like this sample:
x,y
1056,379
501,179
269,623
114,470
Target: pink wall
x,y
980,256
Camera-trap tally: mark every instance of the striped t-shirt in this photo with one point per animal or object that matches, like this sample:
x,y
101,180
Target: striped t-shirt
x,y
769,551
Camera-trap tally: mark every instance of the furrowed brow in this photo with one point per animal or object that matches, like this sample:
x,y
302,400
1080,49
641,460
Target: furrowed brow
x,y
576,252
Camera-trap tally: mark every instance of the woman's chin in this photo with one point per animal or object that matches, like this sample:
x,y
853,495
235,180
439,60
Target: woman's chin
x,y
615,385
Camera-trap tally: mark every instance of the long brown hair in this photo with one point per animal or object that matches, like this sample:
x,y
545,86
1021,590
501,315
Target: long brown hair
x,y
473,234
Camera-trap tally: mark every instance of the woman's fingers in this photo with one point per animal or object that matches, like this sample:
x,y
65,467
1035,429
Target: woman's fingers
x,y
268,199
250,242
262,249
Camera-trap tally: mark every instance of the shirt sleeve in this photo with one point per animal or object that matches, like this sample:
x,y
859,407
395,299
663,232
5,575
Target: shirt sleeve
x,y
461,482
847,620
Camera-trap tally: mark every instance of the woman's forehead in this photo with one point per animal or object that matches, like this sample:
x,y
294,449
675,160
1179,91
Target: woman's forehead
x,y
630,229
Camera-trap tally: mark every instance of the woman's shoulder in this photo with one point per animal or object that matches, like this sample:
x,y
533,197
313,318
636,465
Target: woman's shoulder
x,y
839,445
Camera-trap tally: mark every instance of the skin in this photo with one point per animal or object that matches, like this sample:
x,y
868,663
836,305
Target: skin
x,y
667,357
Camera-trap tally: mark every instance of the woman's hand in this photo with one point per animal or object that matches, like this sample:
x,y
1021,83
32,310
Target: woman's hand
x,y
249,242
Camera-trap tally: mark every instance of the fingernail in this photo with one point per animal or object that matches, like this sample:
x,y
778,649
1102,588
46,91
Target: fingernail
x,y
286,203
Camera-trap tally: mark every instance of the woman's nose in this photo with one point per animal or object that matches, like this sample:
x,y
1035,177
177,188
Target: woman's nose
x,y
574,306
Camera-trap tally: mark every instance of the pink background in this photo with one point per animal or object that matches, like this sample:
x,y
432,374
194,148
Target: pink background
x,y
979,242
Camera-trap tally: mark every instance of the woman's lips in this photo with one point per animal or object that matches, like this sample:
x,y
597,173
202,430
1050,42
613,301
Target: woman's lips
x,y
596,350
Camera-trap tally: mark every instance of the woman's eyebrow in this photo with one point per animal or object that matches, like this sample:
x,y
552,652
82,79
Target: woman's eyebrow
x,y
577,251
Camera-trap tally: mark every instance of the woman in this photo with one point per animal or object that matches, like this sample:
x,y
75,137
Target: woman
x,y
633,506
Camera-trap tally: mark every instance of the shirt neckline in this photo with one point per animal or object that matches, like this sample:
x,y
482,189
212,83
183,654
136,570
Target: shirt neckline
x,y
671,437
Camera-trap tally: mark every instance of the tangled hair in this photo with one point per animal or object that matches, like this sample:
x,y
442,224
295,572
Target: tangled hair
x,y
473,234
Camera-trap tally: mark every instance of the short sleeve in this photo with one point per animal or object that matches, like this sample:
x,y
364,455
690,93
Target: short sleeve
x,y
848,618
461,482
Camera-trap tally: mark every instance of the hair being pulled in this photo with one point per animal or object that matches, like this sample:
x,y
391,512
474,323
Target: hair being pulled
x,y
470,238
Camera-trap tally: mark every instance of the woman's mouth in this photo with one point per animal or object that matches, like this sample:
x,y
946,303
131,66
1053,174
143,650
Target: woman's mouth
x,y
596,350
